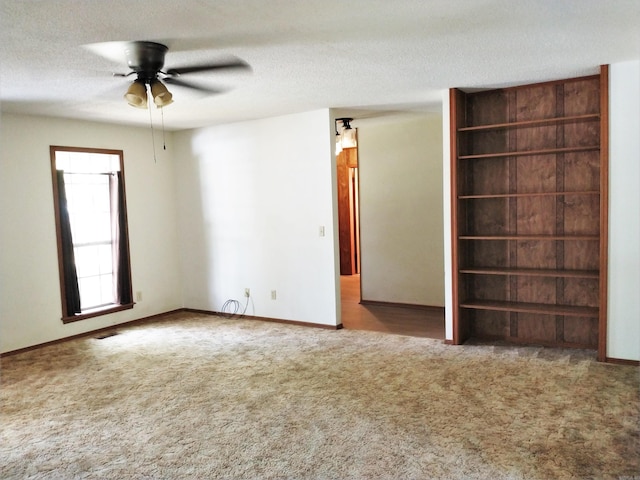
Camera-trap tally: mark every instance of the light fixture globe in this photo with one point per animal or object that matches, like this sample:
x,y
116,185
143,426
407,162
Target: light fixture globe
x,y
136,95
346,136
161,96
349,138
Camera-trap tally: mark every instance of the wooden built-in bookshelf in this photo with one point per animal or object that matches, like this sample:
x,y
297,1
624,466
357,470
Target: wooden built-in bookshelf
x,y
529,213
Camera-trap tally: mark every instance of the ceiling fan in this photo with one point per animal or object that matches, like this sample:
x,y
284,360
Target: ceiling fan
x,y
146,61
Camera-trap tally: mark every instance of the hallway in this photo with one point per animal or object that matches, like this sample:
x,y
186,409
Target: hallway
x,y
415,322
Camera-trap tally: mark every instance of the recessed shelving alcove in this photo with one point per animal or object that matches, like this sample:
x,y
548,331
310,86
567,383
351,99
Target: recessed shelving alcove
x,y
529,213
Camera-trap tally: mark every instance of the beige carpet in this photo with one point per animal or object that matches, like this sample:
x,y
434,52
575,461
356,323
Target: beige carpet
x,y
204,397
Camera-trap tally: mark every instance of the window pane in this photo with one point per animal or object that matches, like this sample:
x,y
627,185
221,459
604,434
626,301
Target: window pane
x,y
105,261
83,162
90,293
101,199
106,289
86,264
102,230
90,211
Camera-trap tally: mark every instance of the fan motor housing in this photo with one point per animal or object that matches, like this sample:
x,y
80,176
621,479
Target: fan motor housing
x,y
146,59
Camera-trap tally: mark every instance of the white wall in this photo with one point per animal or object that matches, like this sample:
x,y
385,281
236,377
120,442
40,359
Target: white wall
x,y
401,225
30,307
252,197
623,340
623,330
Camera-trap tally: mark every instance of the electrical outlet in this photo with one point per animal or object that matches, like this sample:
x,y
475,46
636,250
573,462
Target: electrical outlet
x,y
247,292
273,294
138,296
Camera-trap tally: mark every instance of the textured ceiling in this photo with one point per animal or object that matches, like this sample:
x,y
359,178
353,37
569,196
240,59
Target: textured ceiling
x,y
359,56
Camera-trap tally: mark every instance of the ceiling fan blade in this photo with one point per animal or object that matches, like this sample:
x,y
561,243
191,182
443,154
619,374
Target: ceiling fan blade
x,y
193,86
237,63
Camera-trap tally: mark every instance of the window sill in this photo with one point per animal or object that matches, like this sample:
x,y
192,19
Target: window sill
x,y
97,312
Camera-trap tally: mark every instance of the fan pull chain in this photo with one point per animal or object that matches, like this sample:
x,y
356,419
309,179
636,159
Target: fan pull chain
x,y
164,143
153,137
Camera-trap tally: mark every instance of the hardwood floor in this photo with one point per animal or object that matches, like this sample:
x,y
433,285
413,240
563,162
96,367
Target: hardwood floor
x,y
414,322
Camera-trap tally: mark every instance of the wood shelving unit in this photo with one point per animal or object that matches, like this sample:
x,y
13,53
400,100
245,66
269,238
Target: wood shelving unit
x,y
528,153
532,272
532,308
534,194
532,123
529,210
528,237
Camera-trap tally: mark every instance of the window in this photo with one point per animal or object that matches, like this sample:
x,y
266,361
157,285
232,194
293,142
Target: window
x,y
91,225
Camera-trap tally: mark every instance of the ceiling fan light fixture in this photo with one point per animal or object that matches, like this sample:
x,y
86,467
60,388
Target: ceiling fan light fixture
x,y
161,96
136,95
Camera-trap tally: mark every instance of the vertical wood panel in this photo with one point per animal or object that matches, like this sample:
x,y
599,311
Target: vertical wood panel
x,y
536,173
536,328
491,324
513,188
560,212
581,255
581,331
536,216
604,210
457,118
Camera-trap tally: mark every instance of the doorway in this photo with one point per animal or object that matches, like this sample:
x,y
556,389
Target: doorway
x,y
358,313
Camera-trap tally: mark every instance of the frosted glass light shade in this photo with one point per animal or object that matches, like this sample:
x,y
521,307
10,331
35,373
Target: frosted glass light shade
x,y
136,95
161,96
349,138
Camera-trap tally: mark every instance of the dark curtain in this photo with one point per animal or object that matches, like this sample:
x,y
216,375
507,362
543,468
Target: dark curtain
x,y
71,290
120,246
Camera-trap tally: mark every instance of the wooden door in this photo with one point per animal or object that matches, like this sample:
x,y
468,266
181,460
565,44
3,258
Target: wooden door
x,y
347,161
